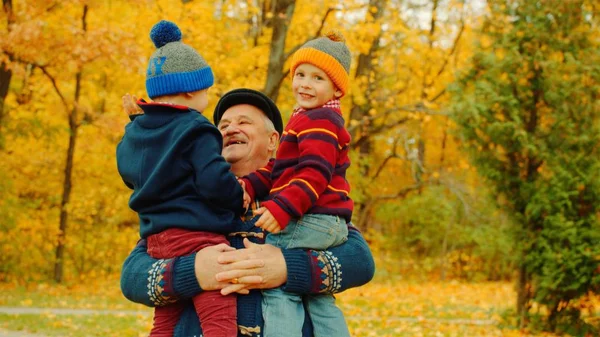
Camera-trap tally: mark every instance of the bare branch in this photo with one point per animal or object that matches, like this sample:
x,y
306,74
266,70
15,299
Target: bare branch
x,y
392,155
449,56
417,108
398,195
454,48
55,85
433,22
440,94
377,130
317,33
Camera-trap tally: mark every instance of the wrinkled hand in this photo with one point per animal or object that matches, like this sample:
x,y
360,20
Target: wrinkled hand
x,y
130,106
253,267
206,266
267,221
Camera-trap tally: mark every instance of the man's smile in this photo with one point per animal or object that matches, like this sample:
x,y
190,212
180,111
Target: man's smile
x,y
234,141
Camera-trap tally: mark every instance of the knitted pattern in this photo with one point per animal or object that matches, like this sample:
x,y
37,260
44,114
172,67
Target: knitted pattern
x,y
329,269
159,282
175,67
309,172
308,273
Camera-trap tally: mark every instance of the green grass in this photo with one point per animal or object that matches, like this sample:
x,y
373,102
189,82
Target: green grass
x,y
78,326
103,296
44,296
135,326
382,309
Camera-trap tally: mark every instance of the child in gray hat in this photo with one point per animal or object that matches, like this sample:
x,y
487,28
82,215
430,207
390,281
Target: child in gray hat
x,y
308,204
183,191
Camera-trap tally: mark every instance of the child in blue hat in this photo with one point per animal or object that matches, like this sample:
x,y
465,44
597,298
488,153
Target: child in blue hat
x,y
183,192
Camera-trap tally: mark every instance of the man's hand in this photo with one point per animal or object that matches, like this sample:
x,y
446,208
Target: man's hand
x,y
267,221
130,106
206,266
254,267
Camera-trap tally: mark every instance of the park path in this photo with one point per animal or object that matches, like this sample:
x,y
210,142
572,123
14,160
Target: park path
x,y
64,311
6,333
58,311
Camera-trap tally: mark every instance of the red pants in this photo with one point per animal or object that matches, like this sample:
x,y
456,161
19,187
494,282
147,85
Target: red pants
x,y
217,313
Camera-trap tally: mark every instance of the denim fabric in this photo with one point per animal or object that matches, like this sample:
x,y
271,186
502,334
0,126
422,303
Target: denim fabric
x,y
312,231
283,312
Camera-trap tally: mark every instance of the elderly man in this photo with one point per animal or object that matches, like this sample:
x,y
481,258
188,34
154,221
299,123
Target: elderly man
x,y
251,126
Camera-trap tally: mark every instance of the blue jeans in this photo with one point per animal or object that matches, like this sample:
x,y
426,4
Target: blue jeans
x,y
283,312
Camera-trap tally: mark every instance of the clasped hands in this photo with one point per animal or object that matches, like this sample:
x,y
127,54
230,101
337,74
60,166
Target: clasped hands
x,y
257,266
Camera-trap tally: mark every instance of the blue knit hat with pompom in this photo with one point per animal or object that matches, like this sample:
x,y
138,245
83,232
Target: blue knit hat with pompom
x,y
175,67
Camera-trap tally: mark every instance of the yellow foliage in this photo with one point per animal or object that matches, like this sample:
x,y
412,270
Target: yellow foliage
x,y
48,47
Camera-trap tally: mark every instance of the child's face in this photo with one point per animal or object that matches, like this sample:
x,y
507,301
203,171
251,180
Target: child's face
x,y
312,87
198,100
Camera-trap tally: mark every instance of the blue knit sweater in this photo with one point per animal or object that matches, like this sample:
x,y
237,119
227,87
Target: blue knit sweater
x,y
159,282
171,157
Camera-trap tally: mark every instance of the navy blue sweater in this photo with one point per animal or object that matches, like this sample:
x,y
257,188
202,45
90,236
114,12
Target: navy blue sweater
x,y
155,282
171,157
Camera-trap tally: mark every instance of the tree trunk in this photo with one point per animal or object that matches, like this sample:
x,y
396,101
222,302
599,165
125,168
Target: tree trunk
x,y
283,12
359,112
68,179
5,76
444,252
5,72
523,294
67,186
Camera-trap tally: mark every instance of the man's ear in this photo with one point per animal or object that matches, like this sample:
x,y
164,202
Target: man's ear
x,y
273,141
338,93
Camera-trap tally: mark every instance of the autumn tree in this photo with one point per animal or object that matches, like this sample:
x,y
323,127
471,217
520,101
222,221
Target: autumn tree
x,y
69,68
403,67
58,95
528,113
281,16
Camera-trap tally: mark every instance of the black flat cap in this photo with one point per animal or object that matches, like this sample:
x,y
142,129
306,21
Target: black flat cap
x,y
251,97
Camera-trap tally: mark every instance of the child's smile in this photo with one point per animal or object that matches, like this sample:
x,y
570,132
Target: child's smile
x,y
312,87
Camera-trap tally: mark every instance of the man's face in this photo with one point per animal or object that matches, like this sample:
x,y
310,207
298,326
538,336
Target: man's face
x,y
245,136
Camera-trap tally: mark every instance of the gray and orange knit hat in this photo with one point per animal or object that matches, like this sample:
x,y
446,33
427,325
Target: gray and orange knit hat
x,y
330,54
175,67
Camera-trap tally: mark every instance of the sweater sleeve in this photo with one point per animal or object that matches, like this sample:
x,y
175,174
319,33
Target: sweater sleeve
x,y
318,147
330,271
259,183
213,178
158,282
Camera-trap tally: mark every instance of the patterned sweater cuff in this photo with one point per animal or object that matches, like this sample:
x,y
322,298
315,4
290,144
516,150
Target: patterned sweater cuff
x,y
299,273
185,284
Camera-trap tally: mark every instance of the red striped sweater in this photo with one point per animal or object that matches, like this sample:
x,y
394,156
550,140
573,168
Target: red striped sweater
x,y
308,174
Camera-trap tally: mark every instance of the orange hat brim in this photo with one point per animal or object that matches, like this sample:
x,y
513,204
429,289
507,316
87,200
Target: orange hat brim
x,y
325,62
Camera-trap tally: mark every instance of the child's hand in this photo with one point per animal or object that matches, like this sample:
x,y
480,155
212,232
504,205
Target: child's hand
x,y
247,199
130,106
267,221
